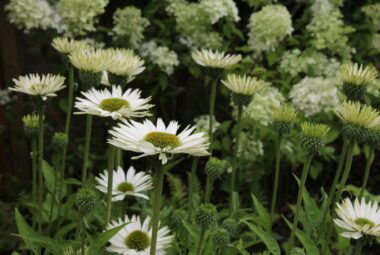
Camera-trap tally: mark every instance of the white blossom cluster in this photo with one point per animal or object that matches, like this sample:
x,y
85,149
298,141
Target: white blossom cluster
x,y
328,29
372,11
5,97
249,146
129,25
219,9
33,14
161,56
268,27
202,123
312,63
313,95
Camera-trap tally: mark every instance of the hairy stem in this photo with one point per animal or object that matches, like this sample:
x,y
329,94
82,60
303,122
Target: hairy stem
x,y
276,178
86,148
367,170
111,159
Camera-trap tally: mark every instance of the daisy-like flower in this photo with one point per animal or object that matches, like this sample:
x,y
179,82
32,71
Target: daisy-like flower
x,y
284,118
125,63
215,59
134,238
39,85
150,139
313,136
357,74
66,45
114,103
358,219
90,60
125,184
358,114
243,84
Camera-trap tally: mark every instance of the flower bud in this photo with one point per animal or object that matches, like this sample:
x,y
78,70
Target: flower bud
x,y
313,137
230,225
89,78
206,216
221,237
59,141
31,125
177,218
86,200
215,168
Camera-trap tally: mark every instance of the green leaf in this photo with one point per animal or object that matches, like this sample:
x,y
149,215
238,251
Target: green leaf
x,y
172,164
306,241
262,212
266,238
99,241
25,230
48,172
235,201
193,231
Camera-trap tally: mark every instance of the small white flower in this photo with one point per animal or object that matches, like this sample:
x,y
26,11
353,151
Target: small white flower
x,y
125,63
92,60
150,139
36,85
114,103
66,45
243,84
358,219
215,59
125,184
134,238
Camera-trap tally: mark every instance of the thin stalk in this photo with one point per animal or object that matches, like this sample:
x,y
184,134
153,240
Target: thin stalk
x,y
60,189
191,187
304,175
83,239
276,178
34,174
70,99
209,188
358,247
235,156
53,197
118,156
367,170
86,148
338,174
40,161
200,243
212,110
111,158
158,183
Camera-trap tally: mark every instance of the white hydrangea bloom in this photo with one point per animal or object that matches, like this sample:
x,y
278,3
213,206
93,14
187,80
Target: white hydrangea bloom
x,y
250,147
32,14
315,95
162,56
376,42
202,123
374,88
373,12
258,111
129,25
219,9
268,27
80,16
5,97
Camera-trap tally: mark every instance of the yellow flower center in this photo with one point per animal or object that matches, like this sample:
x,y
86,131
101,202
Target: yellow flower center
x,y
125,187
363,222
113,104
162,140
137,240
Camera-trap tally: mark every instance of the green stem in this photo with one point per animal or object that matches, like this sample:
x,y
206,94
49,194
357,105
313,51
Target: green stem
x,y
86,148
209,187
191,187
358,247
212,109
305,173
200,243
34,174
276,178
367,170
158,183
118,156
111,159
235,156
40,162
83,239
53,198
70,99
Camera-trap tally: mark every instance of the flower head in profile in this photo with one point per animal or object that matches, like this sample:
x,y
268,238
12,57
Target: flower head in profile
x,y
284,118
243,84
90,60
134,238
125,63
215,59
150,139
358,219
358,75
39,85
66,45
113,103
313,137
125,184
358,114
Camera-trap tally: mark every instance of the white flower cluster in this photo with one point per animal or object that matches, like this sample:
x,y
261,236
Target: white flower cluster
x,y
249,146
372,11
219,9
313,95
258,111
162,56
268,27
80,16
202,123
328,29
5,97
129,25
260,2
312,63
32,14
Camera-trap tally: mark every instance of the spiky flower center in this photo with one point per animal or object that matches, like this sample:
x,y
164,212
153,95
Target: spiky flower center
x,y
125,187
137,240
162,140
363,222
113,104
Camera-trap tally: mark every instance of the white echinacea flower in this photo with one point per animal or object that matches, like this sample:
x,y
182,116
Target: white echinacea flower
x,y
135,237
125,63
150,139
66,45
90,60
358,219
114,103
39,85
215,59
243,84
125,184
